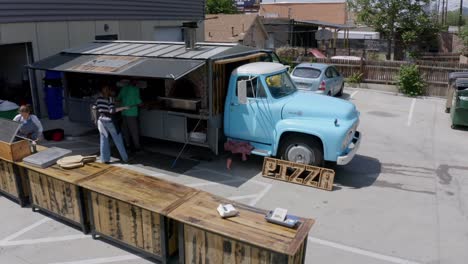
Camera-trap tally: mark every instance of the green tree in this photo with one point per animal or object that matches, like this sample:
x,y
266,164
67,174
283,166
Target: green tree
x,y
418,32
464,36
453,17
220,7
406,18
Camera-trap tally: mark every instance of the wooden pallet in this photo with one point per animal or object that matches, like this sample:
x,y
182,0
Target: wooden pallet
x,y
307,175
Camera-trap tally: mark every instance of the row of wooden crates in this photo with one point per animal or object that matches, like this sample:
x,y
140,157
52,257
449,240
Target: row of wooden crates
x,y
154,217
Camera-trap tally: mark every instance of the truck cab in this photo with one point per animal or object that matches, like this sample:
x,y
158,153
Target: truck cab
x,y
264,108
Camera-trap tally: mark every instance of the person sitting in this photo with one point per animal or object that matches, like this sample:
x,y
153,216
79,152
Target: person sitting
x,y
106,109
31,127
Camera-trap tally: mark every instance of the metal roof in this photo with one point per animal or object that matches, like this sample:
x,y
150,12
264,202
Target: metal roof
x,y
154,49
169,60
119,65
324,24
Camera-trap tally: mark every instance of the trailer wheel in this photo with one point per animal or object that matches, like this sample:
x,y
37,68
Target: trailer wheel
x,y
302,149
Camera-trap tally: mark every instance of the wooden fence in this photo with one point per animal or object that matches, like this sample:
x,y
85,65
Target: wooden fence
x,y
435,73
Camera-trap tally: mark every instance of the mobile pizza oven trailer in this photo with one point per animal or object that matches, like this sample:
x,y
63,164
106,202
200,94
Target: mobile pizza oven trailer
x,y
184,87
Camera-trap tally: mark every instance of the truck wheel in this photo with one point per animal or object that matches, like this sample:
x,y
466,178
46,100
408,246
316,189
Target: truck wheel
x,y
302,150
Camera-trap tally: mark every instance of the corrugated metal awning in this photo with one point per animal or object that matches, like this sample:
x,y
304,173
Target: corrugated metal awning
x,y
151,49
324,24
165,68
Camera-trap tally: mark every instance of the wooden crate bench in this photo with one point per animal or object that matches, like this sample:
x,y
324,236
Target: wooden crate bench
x,y
130,208
13,182
247,238
55,191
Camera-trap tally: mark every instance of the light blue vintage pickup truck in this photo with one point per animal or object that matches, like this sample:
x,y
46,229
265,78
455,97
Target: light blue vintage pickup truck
x,y
264,108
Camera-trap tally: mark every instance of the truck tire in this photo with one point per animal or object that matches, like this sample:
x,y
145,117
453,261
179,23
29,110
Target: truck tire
x,y
302,149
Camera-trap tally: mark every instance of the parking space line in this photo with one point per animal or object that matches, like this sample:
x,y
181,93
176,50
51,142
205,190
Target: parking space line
x,y
260,196
235,179
102,260
353,94
24,230
361,251
242,197
201,184
41,240
410,114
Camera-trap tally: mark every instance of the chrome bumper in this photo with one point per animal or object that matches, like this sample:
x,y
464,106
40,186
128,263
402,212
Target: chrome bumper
x,y
352,149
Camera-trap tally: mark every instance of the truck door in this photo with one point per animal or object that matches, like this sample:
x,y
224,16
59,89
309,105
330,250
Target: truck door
x,y
251,121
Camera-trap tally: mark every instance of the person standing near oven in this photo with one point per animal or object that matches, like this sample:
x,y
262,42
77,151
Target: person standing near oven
x,y
129,97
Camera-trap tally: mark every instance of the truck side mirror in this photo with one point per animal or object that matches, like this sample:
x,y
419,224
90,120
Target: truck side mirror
x,y
242,91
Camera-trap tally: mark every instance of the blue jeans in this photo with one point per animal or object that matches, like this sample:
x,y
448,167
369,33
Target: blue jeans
x,y
105,148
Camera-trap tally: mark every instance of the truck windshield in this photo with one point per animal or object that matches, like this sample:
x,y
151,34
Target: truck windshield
x,y
280,85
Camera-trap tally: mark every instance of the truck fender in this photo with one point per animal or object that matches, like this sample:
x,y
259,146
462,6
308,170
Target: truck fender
x,y
321,128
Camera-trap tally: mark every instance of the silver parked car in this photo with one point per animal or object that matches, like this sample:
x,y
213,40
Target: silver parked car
x,y
318,77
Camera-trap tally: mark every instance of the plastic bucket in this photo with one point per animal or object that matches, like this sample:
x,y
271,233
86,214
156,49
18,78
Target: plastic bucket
x,y
53,75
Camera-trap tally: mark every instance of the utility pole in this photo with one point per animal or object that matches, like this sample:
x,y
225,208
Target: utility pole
x,y
443,13
446,11
438,9
460,18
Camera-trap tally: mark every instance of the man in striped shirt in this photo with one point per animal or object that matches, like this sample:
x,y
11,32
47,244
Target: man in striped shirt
x,y
106,109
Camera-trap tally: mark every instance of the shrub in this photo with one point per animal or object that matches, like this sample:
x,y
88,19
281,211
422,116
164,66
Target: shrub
x,y
355,78
410,81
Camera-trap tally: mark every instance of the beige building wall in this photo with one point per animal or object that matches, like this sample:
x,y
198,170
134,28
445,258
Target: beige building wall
x,y
49,38
255,37
327,12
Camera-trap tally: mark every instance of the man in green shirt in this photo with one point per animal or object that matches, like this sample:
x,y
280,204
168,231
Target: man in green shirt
x,y
129,96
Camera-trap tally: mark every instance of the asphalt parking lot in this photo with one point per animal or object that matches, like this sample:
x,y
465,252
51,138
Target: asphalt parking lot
x,y
403,199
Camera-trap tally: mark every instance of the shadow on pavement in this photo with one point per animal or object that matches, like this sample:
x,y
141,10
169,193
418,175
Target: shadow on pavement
x,y
217,172
345,96
163,162
361,172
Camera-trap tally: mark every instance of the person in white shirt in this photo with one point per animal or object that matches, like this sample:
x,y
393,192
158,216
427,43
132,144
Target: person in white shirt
x,y
31,127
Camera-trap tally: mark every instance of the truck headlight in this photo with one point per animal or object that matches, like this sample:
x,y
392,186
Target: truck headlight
x,y
347,139
349,136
